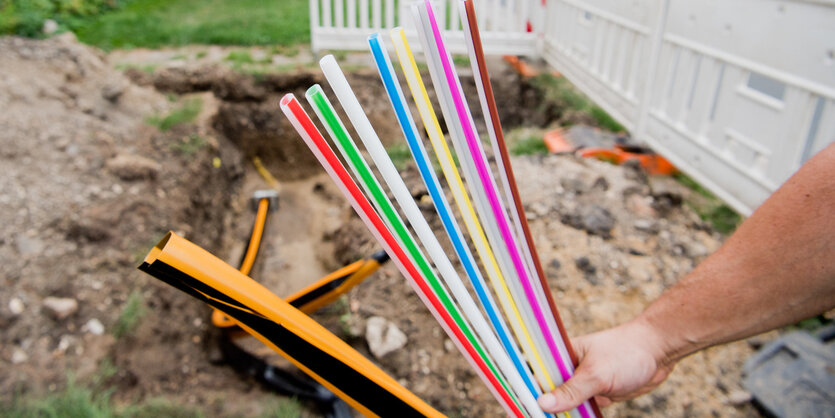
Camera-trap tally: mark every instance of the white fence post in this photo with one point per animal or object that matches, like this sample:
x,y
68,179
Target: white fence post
x,y
651,67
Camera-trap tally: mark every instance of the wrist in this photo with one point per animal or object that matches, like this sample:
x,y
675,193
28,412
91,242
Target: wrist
x,y
665,346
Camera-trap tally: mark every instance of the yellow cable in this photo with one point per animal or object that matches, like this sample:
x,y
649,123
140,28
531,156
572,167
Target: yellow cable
x,y
433,128
265,174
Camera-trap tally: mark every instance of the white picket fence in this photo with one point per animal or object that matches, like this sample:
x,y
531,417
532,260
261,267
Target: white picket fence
x,y
346,24
736,93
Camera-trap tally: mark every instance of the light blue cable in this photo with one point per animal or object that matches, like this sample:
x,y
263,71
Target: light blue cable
x,y
407,125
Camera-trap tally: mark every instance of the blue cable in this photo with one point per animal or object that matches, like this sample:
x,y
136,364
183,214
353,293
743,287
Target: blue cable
x,y
407,125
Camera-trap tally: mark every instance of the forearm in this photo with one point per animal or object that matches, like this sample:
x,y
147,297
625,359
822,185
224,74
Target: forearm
x,y
778,268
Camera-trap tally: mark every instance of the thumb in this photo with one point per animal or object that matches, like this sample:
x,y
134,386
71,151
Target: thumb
x,y
580,387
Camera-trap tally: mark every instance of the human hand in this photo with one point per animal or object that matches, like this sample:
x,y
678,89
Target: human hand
x,y
615,365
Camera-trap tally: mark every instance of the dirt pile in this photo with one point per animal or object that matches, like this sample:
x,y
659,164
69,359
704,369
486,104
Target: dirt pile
x,y
88,186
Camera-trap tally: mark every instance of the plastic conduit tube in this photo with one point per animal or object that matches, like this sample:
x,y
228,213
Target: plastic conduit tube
x,y
482,206
255,239
494,127
490,188
465,207
413,214
285,329
322,151
407,125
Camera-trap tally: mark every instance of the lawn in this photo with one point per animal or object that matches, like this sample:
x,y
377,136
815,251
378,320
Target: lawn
x,y
157,23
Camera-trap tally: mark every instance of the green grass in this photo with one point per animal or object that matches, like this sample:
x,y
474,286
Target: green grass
x,y
73,402
461,60
80,401
339,54
710,208
285,50
189,145
157,23
240,57
810,324
132,313
529,146
92,399
160,407
183,114
400,155
283,408
604,120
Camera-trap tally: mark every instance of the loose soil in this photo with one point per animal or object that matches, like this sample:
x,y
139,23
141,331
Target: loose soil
x,y
89,186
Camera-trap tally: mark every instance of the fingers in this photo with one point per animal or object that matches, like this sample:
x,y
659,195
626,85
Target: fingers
x,y
582,386
581,347
602,401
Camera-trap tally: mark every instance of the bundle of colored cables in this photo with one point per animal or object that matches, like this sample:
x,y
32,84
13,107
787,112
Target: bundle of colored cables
x,y
520,349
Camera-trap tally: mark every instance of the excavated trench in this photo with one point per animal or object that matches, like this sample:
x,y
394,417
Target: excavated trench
x,y
304,240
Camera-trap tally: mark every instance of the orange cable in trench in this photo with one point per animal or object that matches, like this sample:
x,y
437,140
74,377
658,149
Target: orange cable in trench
x,y
255,238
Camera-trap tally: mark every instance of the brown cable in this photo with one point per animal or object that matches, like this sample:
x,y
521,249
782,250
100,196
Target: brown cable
x,y
517,202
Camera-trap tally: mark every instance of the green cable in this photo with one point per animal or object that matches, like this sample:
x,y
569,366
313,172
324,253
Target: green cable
x,y
324,110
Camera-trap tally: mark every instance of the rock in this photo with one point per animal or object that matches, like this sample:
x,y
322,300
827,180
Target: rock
x,y
573,184
383,336
641,206
634,171
19,356
594,219
29,245
133,167
49,26
758,341
555,264
600,184
646,225
739,398
113,90
16,306
65,342
696,250
592,279
663,203
538,209
60,308
584,264
93,326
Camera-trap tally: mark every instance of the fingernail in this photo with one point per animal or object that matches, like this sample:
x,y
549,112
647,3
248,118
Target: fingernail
x,y
547,402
